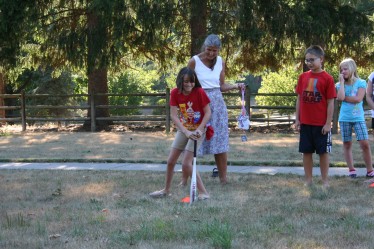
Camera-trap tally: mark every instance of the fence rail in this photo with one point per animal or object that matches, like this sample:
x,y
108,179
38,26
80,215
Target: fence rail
x,y
22,108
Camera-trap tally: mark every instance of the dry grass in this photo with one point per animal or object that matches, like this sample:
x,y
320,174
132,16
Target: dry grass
x,y
88,209
127,146
111,209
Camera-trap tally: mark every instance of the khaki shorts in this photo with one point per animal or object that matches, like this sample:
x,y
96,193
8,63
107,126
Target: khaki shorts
x,y
181,142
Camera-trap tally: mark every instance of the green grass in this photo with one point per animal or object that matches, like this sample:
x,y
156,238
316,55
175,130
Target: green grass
x,y
112,209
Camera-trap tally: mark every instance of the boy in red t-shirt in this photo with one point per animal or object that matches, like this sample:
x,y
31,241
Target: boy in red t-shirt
x,y
190,112
314,110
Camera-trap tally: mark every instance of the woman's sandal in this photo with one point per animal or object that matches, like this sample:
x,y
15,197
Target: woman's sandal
x,y
215,172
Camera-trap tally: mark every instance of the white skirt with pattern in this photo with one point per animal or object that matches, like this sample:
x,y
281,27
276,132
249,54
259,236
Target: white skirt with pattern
x,y
219,143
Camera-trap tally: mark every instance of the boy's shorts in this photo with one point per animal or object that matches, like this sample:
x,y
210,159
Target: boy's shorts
x,y
181,142
360,130
312,140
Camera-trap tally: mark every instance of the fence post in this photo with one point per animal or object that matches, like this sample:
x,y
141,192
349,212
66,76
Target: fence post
x,y
335,117
93,111
167,109
248,100
23,110
2,100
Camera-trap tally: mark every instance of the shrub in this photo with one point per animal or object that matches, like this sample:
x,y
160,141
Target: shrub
x,y
44,81
132,81
283,81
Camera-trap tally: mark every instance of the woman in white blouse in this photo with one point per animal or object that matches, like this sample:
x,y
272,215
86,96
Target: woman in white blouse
x,y
210,70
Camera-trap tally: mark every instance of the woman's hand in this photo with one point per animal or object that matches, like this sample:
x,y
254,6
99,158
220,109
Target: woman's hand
x,y
239,86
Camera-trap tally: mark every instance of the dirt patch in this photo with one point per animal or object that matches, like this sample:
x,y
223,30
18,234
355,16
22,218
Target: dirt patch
x,y
280,128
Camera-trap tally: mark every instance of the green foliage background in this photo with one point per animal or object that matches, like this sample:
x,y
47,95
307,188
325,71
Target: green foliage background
x,y
42,81
141,45
139,80
283,81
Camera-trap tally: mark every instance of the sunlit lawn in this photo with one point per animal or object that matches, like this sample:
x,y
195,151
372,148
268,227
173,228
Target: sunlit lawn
x,y
153,147
102,209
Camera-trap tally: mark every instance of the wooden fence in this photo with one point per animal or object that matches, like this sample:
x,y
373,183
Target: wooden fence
x,y
22,108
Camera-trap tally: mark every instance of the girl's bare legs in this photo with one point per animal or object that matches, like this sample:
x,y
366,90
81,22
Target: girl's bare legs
x,y
324,164
308,167
221,162
187,169
185,176
366,153
172,160
347,149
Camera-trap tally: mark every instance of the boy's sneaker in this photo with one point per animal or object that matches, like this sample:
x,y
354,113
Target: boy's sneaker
x,y
370,174
159,194
353,173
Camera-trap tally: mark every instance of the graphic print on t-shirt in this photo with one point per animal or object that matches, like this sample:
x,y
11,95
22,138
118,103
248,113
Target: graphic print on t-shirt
x,y
311,94
188,117
356,106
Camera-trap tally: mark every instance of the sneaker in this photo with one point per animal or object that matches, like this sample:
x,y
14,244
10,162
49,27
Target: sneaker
x,y
353,173
370,174
159,194
202,197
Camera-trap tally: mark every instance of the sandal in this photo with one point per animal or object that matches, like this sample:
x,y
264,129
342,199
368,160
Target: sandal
x,y
215,172
159,194
203,197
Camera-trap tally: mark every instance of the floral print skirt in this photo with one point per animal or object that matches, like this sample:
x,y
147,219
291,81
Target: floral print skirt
x,y
219,143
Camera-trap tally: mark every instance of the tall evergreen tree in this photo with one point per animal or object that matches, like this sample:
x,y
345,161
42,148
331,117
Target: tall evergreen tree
x,y
260,35
105,35
198,24
94,34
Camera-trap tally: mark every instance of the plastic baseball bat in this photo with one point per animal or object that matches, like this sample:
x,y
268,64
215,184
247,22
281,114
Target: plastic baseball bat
x,y
193,188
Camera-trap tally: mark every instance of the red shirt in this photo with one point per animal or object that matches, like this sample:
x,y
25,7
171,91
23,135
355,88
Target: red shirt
x,y
314,89
191,107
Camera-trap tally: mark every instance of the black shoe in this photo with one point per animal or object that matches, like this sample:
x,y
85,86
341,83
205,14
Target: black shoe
x,y
215,172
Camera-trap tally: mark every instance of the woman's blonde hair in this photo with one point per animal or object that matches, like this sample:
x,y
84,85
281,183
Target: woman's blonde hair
x,y
352,67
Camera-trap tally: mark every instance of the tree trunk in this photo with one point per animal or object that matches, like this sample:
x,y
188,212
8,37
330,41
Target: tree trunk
x,y
198,24
98,83
97,69
2,91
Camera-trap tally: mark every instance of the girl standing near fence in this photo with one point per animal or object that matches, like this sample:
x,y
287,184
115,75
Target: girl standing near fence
x,y
351,91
